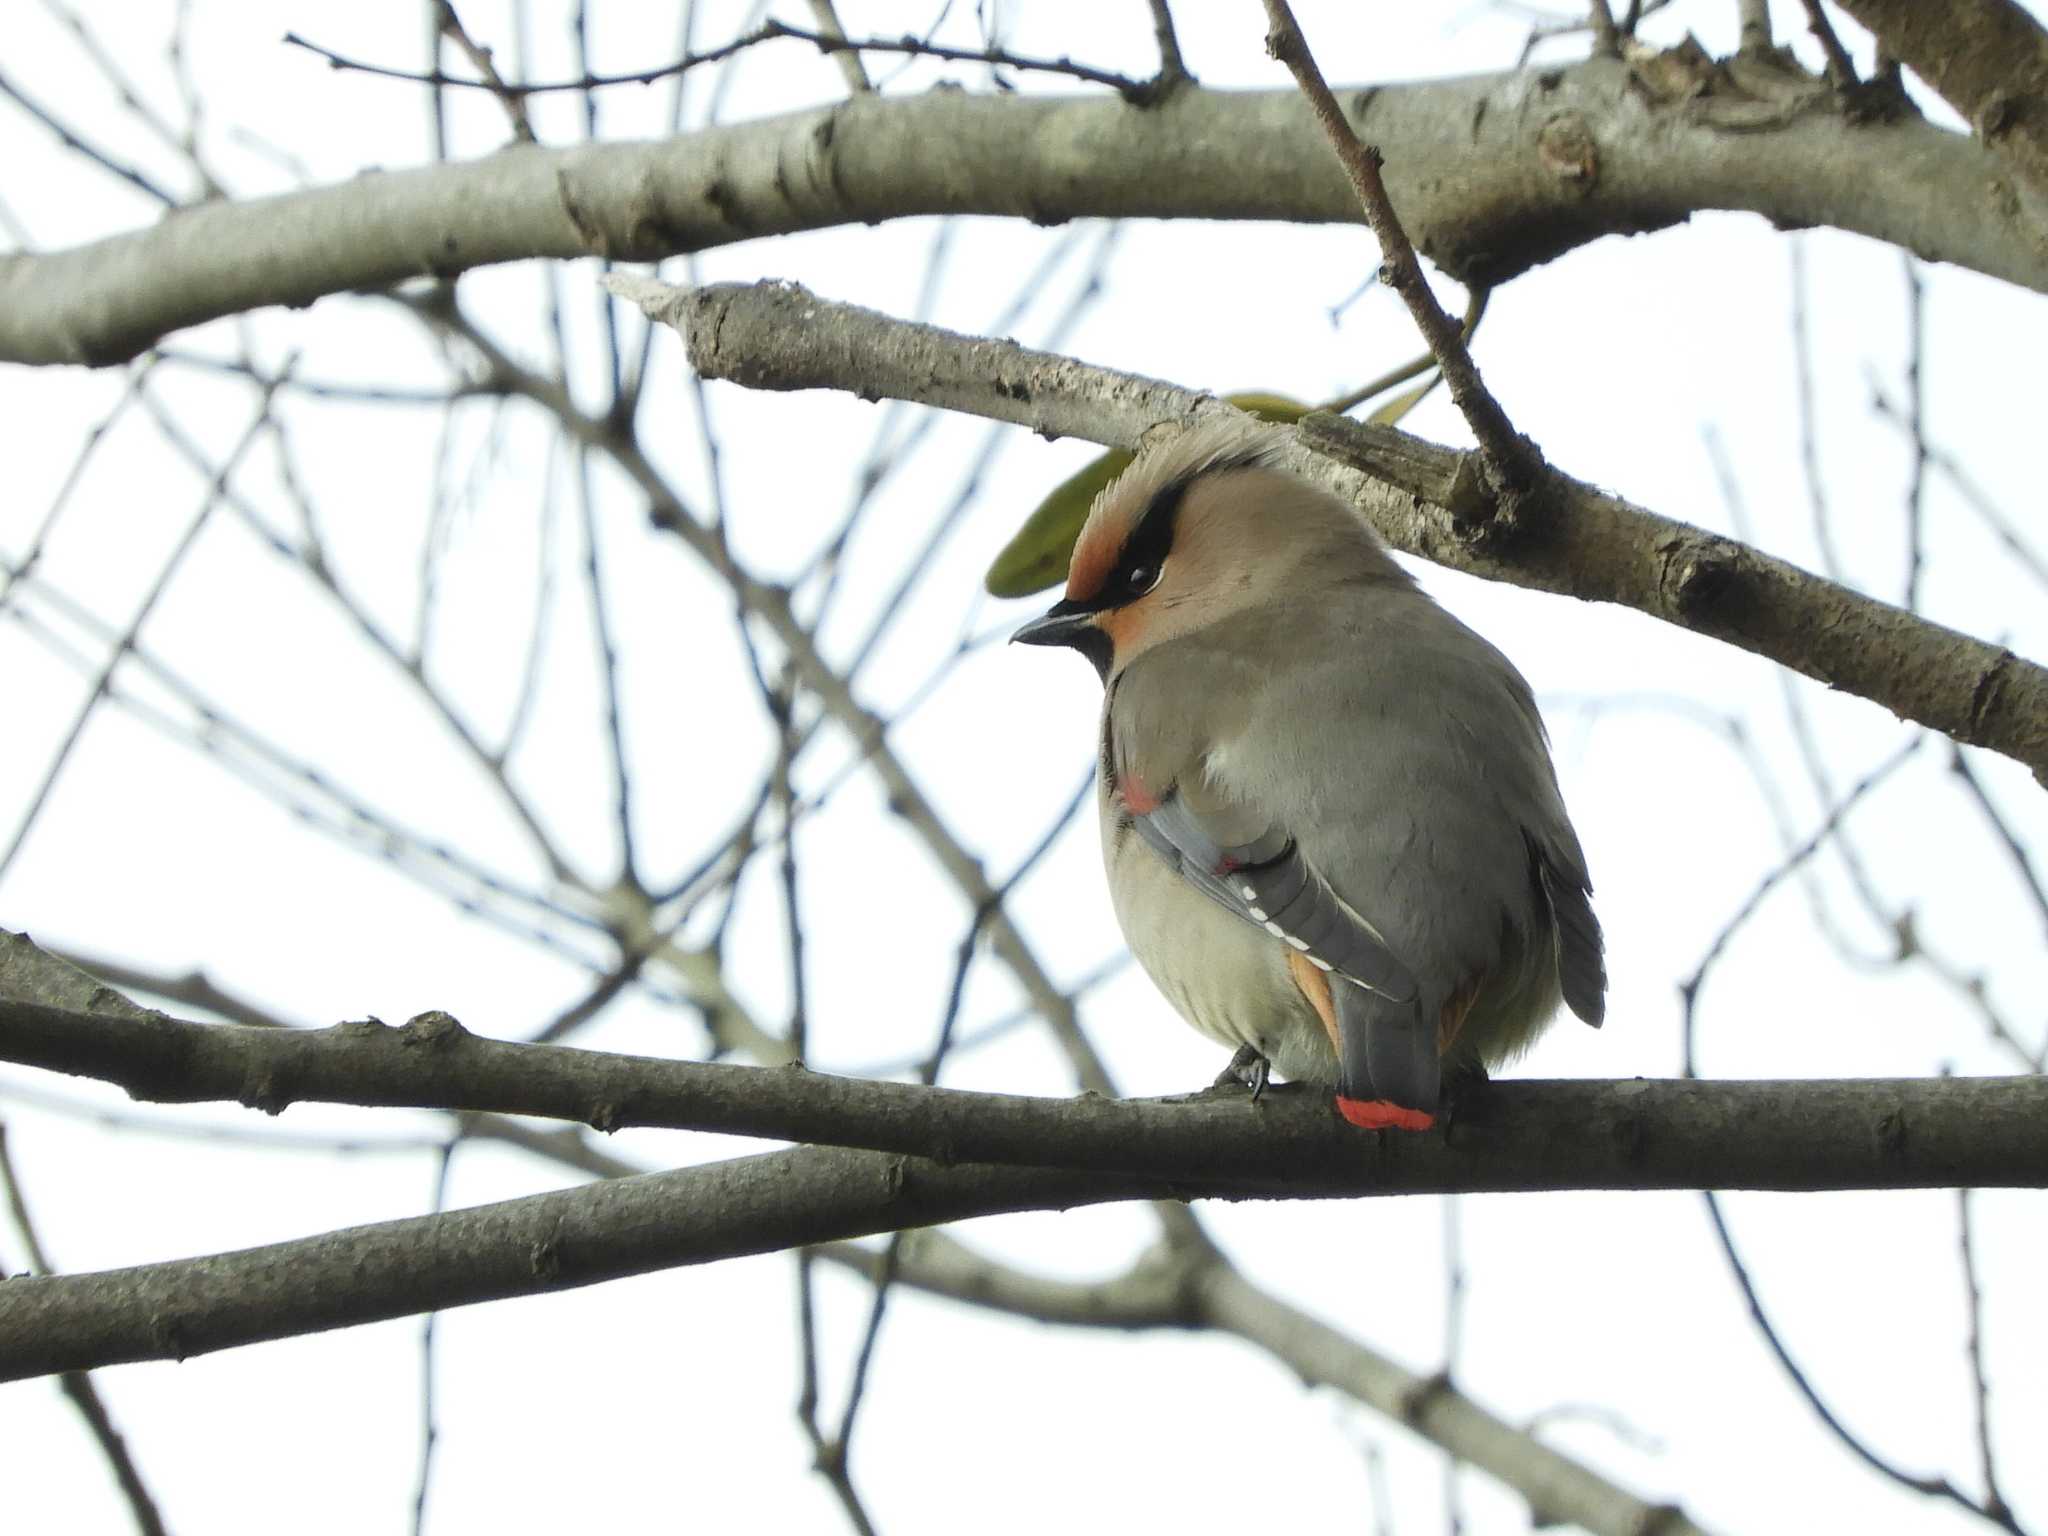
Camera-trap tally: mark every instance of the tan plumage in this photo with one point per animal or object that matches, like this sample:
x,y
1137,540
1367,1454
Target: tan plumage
x,y
1331,826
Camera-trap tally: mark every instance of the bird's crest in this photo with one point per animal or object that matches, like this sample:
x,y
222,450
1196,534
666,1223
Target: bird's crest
x,y
1143,500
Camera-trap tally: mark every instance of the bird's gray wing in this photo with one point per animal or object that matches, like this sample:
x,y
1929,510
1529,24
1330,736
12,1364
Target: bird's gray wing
x,y
1267,882
1386,1049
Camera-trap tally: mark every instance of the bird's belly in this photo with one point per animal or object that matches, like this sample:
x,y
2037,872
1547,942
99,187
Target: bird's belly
x,y
1225,977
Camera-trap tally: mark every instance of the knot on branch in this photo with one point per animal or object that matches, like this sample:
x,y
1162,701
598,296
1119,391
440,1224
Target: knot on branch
x,y
1702,574
432,1031
1566,149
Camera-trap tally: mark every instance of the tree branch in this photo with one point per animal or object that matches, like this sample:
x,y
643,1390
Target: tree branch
x,y
1987,58
1511,1136
1512,463
1838,1134
1493,175
1163,1292
1590,545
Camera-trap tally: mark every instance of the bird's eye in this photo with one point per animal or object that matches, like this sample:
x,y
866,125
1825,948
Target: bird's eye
x,y
1141,579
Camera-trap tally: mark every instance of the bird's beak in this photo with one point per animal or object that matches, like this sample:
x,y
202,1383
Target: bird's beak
x,y
1063,626
1057,628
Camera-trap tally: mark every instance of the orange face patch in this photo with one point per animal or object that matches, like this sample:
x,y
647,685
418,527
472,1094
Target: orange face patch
x,y
1093,559
1122,626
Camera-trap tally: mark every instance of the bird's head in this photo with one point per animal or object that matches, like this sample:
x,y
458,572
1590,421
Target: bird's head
x,y
1196,531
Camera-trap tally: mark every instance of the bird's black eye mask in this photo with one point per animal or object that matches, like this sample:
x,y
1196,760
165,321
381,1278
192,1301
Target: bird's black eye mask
x,y
1142,559
1139,565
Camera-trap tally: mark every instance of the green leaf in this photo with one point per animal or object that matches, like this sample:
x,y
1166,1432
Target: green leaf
x,y
1390,414
1037,557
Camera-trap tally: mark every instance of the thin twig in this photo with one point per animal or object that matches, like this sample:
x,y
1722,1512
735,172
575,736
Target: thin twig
x,y
1841,70
1168,1290
1809,419
767,31
1690,990
608,671
1933,1487
13,571
301,788
1173,68
124,646
1916,408
1513,465
1415,367
78,1385
80,146
430,1429
450,26
851,69
1995,1505
2022,861
132,100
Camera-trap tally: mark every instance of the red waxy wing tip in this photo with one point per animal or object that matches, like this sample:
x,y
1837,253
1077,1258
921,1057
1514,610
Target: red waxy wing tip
x,y
1379,1115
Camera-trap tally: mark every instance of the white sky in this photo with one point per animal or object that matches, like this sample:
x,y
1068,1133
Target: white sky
x,y
665,1401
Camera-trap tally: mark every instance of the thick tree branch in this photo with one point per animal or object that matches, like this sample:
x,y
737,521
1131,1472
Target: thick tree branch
x,y
1905,1133
1157,1295
1590,545
1493,175
522,1247
1987,58
1521,1136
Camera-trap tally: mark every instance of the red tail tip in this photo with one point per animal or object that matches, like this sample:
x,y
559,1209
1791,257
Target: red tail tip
x,y
1379,1115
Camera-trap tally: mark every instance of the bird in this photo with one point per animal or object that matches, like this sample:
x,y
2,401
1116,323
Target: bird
x,y
1331,825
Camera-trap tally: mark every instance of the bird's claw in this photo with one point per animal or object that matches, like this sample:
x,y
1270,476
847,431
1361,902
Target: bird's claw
x,y
1247,1069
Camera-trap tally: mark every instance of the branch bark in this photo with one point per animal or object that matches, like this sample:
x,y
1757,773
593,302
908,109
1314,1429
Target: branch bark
x,y
1493,174
1520,1136
1155,1297
1638,1134
1512,463
1588,545
1987,58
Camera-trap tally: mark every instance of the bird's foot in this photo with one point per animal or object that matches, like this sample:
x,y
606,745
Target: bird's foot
x,y
1379,1115
1247,1069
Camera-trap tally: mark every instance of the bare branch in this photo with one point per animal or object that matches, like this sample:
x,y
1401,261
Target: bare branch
x,y
851,69
1173,69
1933,1487
1512,464
449,25
78,145
1841,70
825,41
1987,58
1505,1136
1916,415
215,494
78,1385
1167,1291
1520,195
1592,545
2022,861
1513,1136
1995,1506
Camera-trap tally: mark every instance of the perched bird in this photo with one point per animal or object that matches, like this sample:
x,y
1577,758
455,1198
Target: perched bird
x,y
1332,829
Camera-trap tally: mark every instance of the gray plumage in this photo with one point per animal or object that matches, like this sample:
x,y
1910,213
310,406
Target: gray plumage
x,y
1304,755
